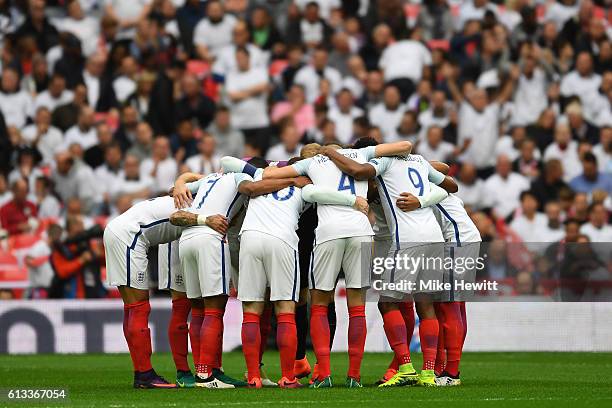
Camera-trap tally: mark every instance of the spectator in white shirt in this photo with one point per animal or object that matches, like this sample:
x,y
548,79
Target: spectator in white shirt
x,y
583,83
561,11
504,188
403,63
128,13
530,221
110,173
84,27
434,147
42,135
530,97
597,229
48,205
472,189
15,104
438,113
125,84
603,150
74,179
343,115
565,150
553,231
226,57
208,161
214,32
161,166
229,140
247,90
388,114
37,260
55,95
135,183
289,146
84,132
310,76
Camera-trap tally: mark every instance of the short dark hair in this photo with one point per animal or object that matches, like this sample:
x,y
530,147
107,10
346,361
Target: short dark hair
x,y
590,158
258,162
364,142
528,193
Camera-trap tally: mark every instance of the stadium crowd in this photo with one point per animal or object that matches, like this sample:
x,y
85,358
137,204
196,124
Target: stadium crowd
x,y
104,102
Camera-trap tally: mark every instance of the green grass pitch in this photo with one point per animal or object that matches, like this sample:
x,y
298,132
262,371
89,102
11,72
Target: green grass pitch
x,y
490,380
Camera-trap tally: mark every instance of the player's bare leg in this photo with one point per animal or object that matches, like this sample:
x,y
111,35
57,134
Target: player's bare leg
x,y
319,333
357,330
178,334
428,333
286,339
136,330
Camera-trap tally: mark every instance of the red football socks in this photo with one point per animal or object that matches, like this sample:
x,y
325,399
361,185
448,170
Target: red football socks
x,y
178,332
452,329
356,340
441,350
286,339
197,316
139,335
265,326
251,339
211,340
428,333
395,329
319,333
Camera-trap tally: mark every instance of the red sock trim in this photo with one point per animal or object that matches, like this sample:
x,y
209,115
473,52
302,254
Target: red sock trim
x,y
214,312
248,317
357,311
285,318
318,310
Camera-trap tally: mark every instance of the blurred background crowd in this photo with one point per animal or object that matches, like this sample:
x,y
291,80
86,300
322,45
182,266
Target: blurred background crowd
x,y
104,102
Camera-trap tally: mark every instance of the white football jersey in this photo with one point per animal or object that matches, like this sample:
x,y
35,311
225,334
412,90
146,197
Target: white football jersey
x,y
337,221
396,175
147,221
381,227
276,214
456,224
217,194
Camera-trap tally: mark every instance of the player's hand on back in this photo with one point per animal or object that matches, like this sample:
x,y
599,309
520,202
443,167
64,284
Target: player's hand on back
x,y
361,204
182,195
301,181
324,150
408,202
218,222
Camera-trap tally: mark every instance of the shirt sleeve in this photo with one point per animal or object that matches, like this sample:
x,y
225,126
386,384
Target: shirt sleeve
x,y
369,152
240,177
380,164
193,187
302,166
434,175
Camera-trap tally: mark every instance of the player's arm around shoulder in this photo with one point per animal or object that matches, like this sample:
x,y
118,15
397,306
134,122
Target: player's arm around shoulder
x,y
401,148
184,218
184,187
359,171
323,195
438,175
252,188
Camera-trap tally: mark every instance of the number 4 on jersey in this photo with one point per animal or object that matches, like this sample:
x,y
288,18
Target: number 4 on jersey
x,y
346,183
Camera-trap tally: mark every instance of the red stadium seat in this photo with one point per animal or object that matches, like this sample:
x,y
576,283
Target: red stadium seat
x,y
11,274
198,68
277,67
22,241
